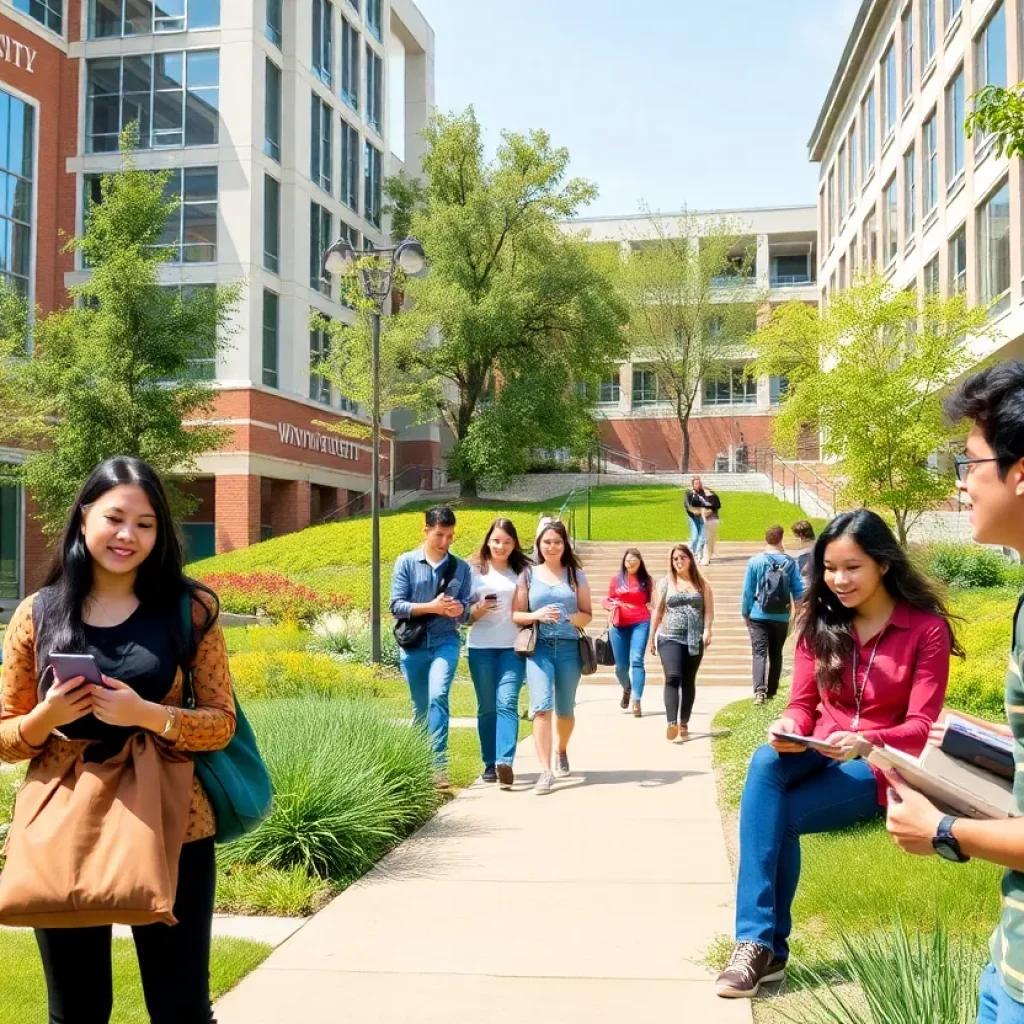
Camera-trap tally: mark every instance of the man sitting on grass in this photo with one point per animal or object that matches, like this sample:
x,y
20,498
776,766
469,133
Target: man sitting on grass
x,y
991,474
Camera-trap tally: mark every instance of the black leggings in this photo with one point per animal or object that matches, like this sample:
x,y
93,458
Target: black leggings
x,y
680,679
174,961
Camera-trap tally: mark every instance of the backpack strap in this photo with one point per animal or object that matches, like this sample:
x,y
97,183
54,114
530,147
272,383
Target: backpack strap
x,y
188,694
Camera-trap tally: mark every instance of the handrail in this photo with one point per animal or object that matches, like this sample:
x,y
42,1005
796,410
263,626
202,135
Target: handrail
x,y
438,474
607,450
795,468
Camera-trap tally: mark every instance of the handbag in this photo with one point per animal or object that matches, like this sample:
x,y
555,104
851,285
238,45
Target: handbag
x,y
603,651
526,641
588,657
410,633
235,778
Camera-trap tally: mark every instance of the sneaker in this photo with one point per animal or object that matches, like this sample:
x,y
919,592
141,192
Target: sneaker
x,y
543,784
672,732
637,713
626,693
750,966
489,775
441,780
505,776
561,765
760,697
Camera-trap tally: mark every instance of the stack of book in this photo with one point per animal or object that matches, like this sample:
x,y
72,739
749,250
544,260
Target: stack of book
x,y
970,774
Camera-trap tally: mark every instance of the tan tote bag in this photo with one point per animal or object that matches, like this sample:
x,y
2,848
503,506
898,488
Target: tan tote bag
x,y
98,843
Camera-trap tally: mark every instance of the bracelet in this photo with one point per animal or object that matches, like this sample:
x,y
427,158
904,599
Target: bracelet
x,y
171,719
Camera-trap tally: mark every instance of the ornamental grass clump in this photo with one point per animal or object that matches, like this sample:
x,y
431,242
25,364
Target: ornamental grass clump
x,y
258,675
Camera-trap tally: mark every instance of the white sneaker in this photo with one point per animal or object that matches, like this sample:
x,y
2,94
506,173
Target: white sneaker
x,y
561,766
543,785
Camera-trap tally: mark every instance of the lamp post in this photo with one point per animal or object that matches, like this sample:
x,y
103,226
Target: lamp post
x,y
338,260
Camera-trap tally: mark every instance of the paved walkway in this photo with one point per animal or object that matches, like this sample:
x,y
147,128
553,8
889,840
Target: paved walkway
x,y
595,903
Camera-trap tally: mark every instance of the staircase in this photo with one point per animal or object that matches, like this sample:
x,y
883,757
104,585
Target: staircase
x,y
727,662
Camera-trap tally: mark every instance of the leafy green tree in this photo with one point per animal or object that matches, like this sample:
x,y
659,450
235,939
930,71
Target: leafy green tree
x,y
517,320
692,304
999,112
869,372
116,372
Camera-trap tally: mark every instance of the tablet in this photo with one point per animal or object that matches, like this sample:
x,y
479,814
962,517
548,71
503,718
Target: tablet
x,y
806,741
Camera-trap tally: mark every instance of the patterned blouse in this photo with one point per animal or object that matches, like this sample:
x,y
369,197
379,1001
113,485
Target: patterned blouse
x,y
209,726
684,616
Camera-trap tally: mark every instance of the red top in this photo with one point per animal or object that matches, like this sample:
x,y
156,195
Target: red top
x,y
633,599
903,693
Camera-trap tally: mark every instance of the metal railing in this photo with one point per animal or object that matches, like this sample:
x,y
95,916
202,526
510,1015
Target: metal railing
x,y
436,476
789,280
603,454
567,513
795,477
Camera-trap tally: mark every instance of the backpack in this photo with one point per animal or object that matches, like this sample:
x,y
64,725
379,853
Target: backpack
x,y
773,593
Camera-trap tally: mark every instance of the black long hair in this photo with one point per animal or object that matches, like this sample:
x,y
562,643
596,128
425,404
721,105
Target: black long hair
x,y
570,562
825,624
643,577
696,578
517,560
160,581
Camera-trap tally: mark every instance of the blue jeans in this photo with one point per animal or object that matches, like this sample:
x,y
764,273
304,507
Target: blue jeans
x,y
429,670
996,1005
630,646
552,674
696,534
787,796
497,678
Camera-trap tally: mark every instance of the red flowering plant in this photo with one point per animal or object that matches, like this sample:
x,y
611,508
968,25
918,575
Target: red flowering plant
x,y
270,593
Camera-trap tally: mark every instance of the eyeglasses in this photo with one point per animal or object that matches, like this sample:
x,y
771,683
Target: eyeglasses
x,y
963,465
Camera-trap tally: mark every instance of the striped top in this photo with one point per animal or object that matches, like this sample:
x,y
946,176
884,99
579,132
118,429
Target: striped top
x,y
1007,945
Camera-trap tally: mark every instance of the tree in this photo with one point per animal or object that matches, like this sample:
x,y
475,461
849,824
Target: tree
x,y
999,112
517,320
692,304
115,373
869,372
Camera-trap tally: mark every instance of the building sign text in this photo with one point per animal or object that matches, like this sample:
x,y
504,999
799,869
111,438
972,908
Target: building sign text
x,y
18,54
290,434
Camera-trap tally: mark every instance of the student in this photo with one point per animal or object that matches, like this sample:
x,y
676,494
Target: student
x,y
871,669
495,668
554,594
684,616
712,521
771,586
430,583
115,591
990,474
804,533
695,503
629,601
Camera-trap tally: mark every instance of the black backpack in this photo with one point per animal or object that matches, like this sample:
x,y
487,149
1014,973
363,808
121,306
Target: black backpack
x,y
773,593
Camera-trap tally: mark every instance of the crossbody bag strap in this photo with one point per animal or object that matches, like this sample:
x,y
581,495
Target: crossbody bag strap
x,y
188,692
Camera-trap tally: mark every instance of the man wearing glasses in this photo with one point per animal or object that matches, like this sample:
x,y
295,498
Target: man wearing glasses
x,y
990,474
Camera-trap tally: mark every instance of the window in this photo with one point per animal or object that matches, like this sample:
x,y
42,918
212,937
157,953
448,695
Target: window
x,y
841,170
111,18
646,389
270,334
373,185
778,388
271,224
17,160
319,350
955,128
930,134
832,223
958,262
173,96
274,23
953,8
373,19
994,246
203,366
374,89
349,166
349,65
891,229
853,261
867,121
10,542
870,259
842,271
928,33
272,112
319,239
852,155
733,387
931,276
790,270
909,194
47,12
908,54
610,390
990,58
320,144
323,40
889,94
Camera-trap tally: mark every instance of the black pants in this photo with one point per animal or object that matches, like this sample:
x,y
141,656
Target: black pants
x,y
680,679
174,961
767,640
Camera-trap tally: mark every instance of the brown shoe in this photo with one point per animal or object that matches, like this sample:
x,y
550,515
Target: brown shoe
x,y
672,732
684,732
505,776
626,692
637,713
750,966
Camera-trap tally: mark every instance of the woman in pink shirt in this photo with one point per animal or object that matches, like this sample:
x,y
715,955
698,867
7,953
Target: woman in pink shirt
x,y
871,668
629,601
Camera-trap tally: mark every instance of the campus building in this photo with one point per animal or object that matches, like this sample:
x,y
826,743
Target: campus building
x,y
901,189
280,120
734,411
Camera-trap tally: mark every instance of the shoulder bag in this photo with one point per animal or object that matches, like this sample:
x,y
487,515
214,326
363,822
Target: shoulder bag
x,y
526,639
603,650
410,633
588,654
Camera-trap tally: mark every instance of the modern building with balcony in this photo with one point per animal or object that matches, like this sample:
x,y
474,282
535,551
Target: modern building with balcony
x,y
734,409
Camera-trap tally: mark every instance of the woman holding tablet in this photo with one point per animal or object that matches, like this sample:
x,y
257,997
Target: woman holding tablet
x,y
871,668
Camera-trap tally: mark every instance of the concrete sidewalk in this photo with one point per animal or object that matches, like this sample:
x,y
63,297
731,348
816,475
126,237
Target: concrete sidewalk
x,y
593,904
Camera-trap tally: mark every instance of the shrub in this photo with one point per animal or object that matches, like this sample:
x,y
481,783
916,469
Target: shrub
x,y
282,636
271,593
349,785
251,889
349,638
258,675
968,566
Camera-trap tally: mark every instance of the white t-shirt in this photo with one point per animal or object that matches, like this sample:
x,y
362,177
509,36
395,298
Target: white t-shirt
x,y
496,628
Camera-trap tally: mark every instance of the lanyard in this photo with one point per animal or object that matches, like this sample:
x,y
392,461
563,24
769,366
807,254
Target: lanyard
x,y
858,694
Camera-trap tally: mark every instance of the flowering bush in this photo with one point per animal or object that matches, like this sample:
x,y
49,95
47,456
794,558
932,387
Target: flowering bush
x,y
260,674
272,593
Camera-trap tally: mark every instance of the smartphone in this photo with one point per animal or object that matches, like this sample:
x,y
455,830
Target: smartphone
x,y
490,597
806,741
67,666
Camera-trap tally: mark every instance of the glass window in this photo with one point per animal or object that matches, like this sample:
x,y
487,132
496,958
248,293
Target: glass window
x,y
109,18
958,262
853,261
319,239
930,135
320,144
832,224
323,40
994,245
319,350
853,164
349,64
841,173
892,236
10,542
778,387
867,120
349,166
646,389
928,33
908,54
789,270
275,26
374,90
204,365
909,193
955,127
610,390
733,387
990,58
47,12
889,94
870,254
270,334
373,19
17,159
272,112
271,224
374,184
953,8
931,276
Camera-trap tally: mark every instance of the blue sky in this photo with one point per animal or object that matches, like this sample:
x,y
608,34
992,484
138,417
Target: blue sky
x,y
670,102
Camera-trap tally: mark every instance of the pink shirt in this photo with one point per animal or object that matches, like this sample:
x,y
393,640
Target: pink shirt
x,y
903,693
634,600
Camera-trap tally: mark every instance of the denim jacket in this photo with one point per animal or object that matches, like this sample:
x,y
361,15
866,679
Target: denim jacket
x,y
415,581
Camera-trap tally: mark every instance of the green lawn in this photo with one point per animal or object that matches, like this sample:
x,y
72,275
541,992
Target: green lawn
x,y
23,990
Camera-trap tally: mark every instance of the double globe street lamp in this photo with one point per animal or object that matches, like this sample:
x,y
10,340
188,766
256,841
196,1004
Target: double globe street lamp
x,y
376,280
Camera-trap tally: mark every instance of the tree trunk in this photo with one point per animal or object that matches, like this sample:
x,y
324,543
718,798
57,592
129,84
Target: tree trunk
x,y
684,462
901,527
468,488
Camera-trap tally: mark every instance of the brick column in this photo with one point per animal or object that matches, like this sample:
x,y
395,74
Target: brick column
x,y
38,549
237,512
290,506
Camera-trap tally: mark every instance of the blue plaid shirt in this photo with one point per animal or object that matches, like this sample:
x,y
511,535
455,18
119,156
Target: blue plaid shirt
x,y
415,581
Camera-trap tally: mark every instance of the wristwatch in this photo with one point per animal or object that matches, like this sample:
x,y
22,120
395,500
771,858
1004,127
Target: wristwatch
x,y
946,844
